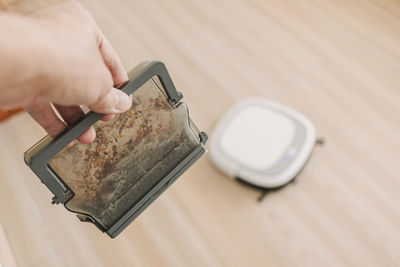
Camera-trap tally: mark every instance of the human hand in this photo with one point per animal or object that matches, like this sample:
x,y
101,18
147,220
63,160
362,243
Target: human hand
x,y
78,67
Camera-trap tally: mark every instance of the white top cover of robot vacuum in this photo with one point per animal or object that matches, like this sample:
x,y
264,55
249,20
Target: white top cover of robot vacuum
x,y
255,131
261,142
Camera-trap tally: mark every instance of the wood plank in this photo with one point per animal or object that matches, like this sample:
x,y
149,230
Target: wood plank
x,y
6,256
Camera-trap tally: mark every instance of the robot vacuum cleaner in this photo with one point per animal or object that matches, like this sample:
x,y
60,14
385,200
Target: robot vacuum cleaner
x,y
262,143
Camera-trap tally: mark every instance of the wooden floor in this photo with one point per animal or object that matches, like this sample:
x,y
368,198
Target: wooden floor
x,y
338,62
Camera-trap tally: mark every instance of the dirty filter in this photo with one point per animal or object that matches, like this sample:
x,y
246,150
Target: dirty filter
x,y
131,155
128,157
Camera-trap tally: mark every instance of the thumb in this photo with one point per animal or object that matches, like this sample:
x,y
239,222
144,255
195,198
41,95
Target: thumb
x,y
114,101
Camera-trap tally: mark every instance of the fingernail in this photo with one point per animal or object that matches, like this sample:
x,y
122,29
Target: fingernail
x,y
71,144
124,102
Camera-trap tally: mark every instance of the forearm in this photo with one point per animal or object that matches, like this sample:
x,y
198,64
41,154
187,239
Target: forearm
x,y
22,60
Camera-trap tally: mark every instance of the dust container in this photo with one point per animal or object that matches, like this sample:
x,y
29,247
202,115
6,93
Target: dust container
x,y
134,158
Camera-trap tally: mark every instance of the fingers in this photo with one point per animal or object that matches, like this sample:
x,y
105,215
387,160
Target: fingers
x,y
68,87
71,114
43,114
108,117
112,60
114,101
95,88
88,136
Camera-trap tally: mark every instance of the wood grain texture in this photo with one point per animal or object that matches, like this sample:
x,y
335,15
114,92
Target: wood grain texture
x,y
338,62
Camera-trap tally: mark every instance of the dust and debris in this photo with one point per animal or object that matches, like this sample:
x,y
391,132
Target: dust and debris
x,y
130,155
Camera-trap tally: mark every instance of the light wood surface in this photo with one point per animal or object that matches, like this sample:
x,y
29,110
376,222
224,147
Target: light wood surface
x,y
338,62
